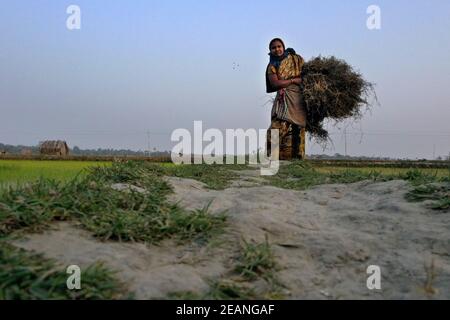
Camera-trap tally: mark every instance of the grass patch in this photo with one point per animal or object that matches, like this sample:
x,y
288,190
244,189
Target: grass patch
x,y
301,175
386,171
428,184
26,276
439,194
31,206
217,177
417,176
108,213
256,261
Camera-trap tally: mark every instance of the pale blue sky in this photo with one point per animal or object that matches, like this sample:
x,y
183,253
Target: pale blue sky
x,y
159,65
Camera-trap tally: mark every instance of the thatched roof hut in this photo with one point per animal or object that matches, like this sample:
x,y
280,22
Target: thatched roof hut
x,y
54,148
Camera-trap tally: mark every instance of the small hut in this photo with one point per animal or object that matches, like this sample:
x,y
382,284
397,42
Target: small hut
x,y
54,148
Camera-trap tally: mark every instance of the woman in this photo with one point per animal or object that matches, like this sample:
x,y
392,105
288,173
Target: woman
x,y
288,113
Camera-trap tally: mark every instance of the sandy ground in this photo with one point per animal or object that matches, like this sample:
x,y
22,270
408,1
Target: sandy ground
x,y
323,240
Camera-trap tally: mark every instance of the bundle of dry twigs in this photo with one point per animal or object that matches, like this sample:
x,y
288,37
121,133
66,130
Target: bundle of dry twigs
x,y
333,89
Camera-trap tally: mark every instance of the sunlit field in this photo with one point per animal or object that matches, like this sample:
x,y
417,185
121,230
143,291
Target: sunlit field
x,y
128,201
19,171
14,172
440,172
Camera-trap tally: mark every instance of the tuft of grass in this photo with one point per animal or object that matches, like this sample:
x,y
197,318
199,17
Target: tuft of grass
x,y
215,176
108,213
27,276
227,289
147,225
256,261
31,206
418,177
301,175
438,193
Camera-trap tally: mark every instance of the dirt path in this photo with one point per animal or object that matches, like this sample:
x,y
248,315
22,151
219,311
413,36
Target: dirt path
x,y
323,239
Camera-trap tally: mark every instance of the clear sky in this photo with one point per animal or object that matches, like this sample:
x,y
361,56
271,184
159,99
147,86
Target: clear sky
x,y
143,65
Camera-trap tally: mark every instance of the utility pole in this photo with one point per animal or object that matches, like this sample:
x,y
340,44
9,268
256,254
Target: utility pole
x,y
434,151
345,140
148,143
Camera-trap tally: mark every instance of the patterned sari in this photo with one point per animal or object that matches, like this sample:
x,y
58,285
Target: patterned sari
x,y
288,112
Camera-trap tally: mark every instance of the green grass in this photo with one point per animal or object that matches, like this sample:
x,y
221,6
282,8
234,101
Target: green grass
x,y
27,276
256,261
428,184
215,176
16,172
301,175
41,192
388,171
132,216
31,206
107,213
439,194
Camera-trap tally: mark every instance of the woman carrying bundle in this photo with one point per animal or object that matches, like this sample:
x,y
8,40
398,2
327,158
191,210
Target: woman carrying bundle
x,y
288,113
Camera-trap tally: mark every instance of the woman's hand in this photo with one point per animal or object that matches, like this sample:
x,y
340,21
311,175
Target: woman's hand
x,y
297,81
280,84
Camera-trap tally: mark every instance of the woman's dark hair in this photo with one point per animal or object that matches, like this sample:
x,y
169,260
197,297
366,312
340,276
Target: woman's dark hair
x,y
274,40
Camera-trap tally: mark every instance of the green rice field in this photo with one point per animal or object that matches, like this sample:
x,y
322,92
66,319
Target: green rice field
x,y
439,173
13,172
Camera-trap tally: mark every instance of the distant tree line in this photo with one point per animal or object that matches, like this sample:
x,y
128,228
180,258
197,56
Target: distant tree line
x,y
339,156
12,149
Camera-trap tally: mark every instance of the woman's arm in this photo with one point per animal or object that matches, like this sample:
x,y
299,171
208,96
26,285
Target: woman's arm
x,y
280,84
